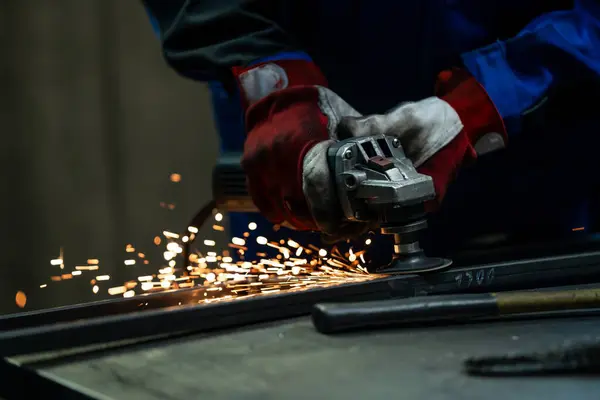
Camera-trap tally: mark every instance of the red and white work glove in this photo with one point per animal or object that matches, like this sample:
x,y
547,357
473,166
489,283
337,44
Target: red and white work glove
x,y
443,133
292,118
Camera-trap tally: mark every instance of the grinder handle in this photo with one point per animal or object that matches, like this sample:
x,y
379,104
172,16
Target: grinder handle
x,y
229,181
229,185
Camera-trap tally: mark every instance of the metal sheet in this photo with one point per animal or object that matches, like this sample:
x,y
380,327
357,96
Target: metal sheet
x,y
289,360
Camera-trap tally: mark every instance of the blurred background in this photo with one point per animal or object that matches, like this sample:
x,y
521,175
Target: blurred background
x,y
94,126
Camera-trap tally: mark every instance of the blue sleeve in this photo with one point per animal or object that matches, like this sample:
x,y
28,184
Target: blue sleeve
x,y
153,22
288,55
554,49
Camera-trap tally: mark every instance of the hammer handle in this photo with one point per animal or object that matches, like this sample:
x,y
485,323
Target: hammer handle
x,y
331,318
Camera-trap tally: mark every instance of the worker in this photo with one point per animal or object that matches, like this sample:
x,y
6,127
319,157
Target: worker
x,y
493,100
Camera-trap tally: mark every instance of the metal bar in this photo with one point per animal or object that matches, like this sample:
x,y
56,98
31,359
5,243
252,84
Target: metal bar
x,y
522,274
114,306
557,271
176,320
534,273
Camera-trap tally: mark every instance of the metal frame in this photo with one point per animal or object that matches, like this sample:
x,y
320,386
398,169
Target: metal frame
x,y
122,320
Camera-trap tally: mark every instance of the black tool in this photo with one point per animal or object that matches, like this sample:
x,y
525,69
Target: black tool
x,y
568,359
332,318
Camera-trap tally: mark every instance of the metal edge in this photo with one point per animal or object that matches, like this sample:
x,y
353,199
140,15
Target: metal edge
x,y
28,383
519,274
182,318
496,276
116,306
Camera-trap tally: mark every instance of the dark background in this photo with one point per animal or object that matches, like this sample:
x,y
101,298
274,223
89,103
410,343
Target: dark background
x,y
93,123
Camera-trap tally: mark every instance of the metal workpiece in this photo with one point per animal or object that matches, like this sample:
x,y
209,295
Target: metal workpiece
x,y
376,182
123,319
289,360
62,347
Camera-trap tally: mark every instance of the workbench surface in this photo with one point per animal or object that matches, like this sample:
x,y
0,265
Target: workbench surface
x,y
289,360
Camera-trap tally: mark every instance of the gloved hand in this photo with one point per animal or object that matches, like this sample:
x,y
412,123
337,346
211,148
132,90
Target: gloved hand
x,y
291,119
440,134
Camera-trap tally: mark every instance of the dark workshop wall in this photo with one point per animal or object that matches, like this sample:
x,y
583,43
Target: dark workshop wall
x,y
93,124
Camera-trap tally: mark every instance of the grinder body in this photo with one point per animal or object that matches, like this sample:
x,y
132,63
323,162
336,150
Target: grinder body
x,y
374,181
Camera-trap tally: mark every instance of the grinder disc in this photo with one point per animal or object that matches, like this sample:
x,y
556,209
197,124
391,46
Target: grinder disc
x,y
414,265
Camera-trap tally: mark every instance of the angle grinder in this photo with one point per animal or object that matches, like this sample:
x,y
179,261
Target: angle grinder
x,y
375,182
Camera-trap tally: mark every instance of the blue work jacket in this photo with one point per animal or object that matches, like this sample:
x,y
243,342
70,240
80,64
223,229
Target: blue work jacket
x,y
538,60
